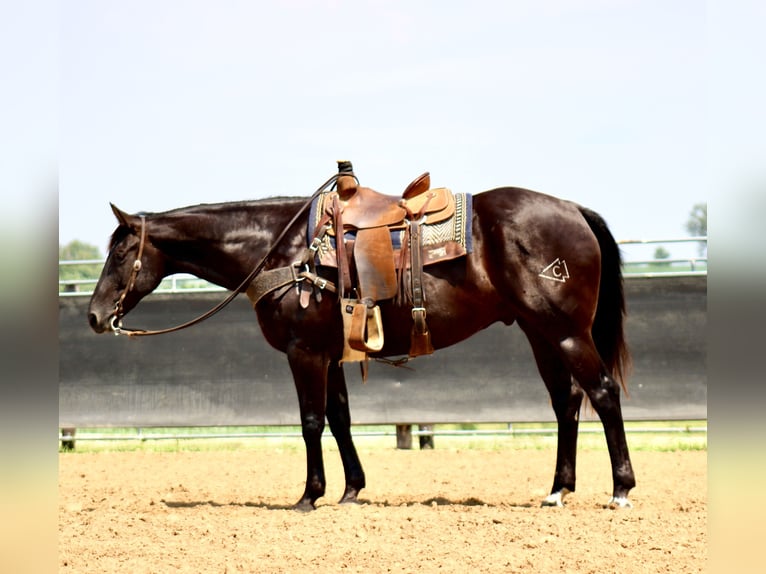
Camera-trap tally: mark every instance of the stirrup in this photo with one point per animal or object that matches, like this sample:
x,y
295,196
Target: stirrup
x,y
350,355
366,333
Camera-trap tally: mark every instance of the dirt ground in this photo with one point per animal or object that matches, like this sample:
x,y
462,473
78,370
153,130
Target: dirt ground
x,y
446,510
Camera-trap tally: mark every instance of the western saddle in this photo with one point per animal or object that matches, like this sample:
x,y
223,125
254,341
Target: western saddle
x,y
373,240
370,268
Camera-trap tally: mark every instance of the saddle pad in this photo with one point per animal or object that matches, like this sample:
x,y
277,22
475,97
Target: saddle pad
x,y
442,241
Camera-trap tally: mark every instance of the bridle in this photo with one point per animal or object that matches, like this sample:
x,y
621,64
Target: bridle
x,y
116,321
119,312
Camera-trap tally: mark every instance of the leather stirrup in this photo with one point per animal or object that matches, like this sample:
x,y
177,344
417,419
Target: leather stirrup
x,y
366,333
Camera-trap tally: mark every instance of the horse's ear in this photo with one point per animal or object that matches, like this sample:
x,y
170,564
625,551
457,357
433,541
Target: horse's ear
x,y
122,217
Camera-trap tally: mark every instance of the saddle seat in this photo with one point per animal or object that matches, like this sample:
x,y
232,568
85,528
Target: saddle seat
x,y
365,208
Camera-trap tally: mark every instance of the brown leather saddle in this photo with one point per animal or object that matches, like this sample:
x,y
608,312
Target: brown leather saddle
x,y
371,267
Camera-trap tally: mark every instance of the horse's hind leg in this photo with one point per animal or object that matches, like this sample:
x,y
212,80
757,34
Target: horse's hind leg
x,y
566,399
604,393
340,424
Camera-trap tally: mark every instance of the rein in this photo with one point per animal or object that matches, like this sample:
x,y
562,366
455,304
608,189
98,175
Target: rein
x,y
116,321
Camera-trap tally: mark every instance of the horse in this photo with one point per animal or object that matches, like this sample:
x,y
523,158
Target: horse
x,y
549,265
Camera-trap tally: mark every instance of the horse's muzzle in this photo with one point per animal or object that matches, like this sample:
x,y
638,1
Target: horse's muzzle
x,y
98,325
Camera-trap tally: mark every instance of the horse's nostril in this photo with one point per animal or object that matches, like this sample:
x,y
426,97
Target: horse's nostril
x,y
93,321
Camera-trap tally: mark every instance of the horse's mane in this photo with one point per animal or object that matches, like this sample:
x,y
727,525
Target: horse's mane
x,y
227,206
206,209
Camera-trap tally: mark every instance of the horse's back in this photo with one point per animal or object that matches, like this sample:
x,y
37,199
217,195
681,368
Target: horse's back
x,y
524,207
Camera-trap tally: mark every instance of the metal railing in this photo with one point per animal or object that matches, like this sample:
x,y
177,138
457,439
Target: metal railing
x,y
178,283
669,266
144,435
642,267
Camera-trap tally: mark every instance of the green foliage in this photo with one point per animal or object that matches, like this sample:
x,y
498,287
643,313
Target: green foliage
x,y
78,251
697,223
661,253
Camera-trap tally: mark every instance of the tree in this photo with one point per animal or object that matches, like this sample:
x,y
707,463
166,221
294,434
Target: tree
x,y
78,251
661,253
697,224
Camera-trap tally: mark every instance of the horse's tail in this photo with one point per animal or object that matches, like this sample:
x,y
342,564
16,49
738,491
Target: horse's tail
x,y
609,324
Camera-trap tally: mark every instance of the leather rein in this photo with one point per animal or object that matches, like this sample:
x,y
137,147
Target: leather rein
x,y
119,313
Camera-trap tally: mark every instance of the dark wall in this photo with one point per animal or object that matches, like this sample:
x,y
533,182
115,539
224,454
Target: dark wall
x,y
221,372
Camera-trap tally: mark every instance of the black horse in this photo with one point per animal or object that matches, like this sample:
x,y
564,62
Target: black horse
x,y
549,265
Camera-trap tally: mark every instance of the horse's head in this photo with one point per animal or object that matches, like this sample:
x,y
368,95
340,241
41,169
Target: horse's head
x,y
134,268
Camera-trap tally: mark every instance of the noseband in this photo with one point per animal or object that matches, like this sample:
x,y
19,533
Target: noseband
x,y
119,312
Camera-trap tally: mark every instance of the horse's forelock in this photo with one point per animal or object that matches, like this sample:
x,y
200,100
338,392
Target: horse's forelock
x,y
119,234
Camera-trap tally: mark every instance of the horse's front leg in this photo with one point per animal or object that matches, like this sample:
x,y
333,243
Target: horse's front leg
x,y
309,369
339,417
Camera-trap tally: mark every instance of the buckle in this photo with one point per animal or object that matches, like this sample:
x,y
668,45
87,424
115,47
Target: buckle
x,y
314,247
295,273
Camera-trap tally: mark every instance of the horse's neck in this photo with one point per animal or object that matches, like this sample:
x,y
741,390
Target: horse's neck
x,y
222,246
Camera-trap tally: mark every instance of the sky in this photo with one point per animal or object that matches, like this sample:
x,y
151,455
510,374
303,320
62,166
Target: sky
x,y
156,105
174,103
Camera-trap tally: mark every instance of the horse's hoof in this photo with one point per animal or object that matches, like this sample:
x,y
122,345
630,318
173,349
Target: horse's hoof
x,y
349,497
304,506
555,498
619,502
